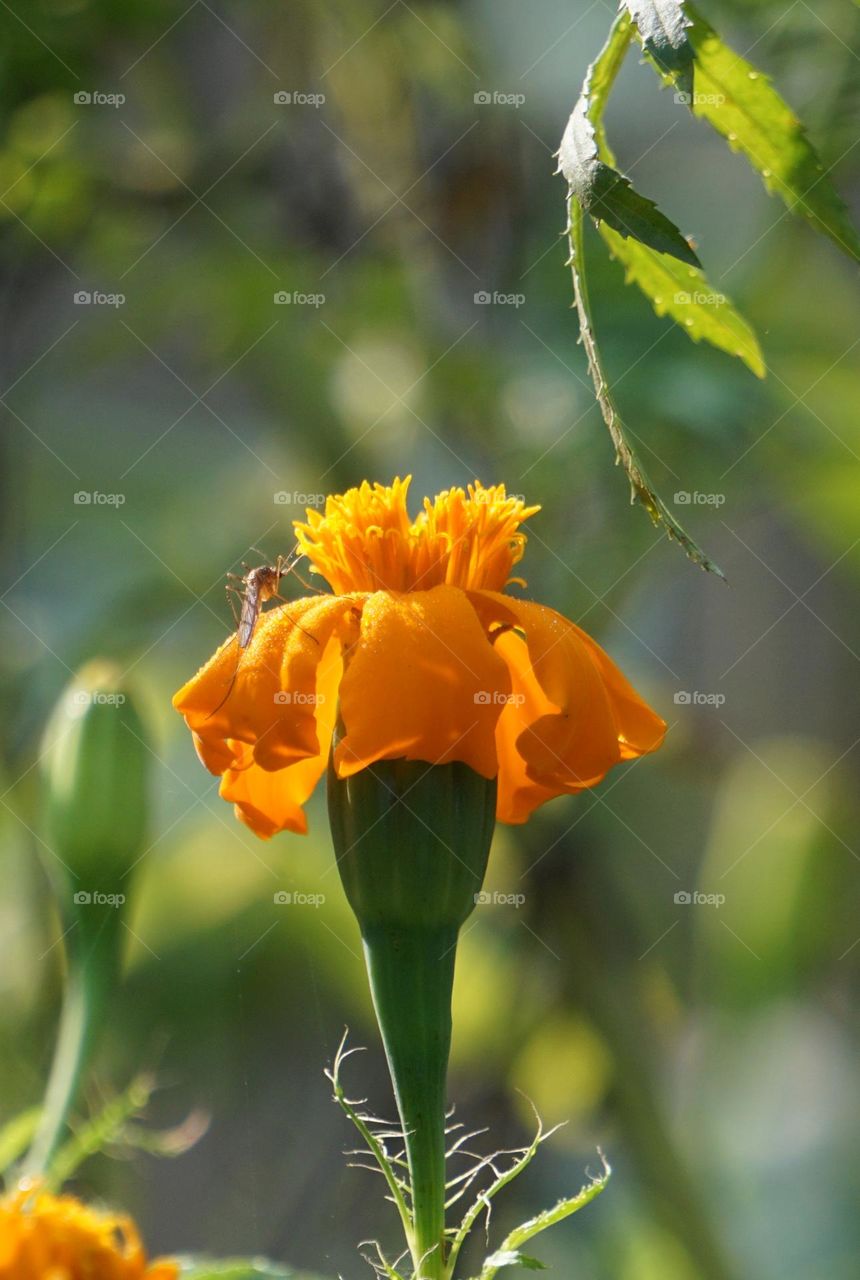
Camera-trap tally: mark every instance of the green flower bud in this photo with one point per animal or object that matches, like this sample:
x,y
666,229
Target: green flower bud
x,y
95,763
95,768
412,841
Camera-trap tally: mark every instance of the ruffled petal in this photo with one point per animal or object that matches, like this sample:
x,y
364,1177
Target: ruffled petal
x,y
422,683
264,696
269,801
572,714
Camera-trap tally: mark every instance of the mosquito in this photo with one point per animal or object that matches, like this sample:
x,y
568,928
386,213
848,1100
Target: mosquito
x,y
254,587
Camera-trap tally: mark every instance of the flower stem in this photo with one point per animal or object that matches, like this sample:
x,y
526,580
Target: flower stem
x,y
411,978
91,959
412,842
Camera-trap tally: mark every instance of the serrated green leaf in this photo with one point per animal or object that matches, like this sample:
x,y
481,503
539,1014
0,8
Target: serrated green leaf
x,y
513,1258
510,1247
641,488
196,1268
673,288
663,27
607,195
739,101
684,293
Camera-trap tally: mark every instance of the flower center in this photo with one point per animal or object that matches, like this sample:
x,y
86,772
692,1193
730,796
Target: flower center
x,y
365,541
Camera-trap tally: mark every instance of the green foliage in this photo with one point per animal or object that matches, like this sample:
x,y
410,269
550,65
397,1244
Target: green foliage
x,y
608,196
641,488
685,293
663,29
510,1255
743,106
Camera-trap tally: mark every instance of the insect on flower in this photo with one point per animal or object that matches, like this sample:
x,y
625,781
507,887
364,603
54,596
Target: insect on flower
x,y
257,586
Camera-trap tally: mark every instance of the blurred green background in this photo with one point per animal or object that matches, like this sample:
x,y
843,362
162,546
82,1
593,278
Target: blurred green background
x,y
710,1051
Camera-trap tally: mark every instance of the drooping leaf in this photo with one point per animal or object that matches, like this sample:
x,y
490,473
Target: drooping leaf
x,y
674,288
641,488
196,1268
684,293
607,195
528,1230
741,104
663,27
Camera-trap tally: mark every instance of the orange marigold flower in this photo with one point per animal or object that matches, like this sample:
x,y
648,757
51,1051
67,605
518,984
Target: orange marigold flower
x,y
422,655
45,1237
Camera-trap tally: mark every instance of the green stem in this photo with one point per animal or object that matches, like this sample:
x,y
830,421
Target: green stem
x,y
91,958
411,978
412,842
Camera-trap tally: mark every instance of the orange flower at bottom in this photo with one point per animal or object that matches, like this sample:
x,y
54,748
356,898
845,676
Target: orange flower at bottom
x,y
45,1237
422,655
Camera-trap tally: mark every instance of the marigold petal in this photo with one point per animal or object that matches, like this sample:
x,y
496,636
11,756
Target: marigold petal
x,y
269,702
47,1237
422,683
572,716
269,801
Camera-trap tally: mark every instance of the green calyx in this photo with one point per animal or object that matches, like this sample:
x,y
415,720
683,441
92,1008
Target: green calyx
x,y
412,842
95,766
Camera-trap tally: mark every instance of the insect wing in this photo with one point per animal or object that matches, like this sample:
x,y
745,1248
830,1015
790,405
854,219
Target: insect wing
x,y
249,615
